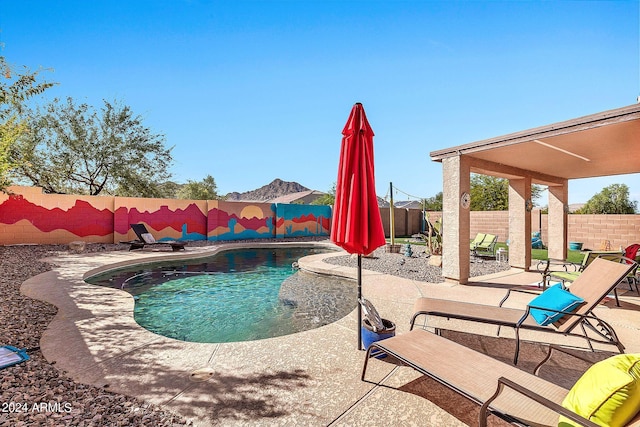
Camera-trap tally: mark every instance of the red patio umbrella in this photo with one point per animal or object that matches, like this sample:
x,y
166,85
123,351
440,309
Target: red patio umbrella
x,y
356,224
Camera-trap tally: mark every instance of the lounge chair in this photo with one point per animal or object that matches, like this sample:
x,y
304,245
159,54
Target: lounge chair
x,y
476,241
519,397
592,286
567,277
146,239
570,271
486,247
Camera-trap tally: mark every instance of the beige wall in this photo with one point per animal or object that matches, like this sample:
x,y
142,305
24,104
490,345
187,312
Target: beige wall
x,y
592,230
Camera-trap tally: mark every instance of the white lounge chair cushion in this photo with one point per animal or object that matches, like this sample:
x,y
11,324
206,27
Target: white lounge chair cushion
x,y
148,238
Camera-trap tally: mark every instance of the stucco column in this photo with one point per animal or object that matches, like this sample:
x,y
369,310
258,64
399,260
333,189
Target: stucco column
x,y
558,220
455,219
520,222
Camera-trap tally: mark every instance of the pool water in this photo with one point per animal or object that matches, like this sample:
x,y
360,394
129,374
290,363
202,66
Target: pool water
x,y
236,295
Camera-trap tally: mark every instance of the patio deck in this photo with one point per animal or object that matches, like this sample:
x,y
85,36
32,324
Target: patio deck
x,y
310,378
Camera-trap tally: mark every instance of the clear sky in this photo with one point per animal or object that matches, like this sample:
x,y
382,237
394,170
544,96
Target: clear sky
x,y
250,91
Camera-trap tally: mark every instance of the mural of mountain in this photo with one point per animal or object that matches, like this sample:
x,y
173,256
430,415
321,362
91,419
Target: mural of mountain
x,y
270,191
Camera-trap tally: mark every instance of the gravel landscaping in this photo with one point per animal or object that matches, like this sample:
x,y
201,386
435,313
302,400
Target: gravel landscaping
x,y
35,393
414,267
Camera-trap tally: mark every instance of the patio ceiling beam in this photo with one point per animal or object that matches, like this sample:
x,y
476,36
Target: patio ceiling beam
x,y
487,167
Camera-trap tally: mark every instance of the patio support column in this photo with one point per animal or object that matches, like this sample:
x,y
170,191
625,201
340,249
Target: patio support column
x,y
520,222
455,219
558,220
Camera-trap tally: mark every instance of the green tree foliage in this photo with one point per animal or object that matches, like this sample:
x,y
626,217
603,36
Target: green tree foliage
x,y
74,149
490,193
168,189
613,199
327,199
202,190
15,90
10,131
433,203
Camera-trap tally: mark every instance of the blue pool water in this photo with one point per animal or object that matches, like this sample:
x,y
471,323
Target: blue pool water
x,y
236,295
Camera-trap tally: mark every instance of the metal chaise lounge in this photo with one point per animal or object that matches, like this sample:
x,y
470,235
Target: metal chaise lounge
x,y
503,390
486,247
569,271
476,241
146,239
568,277
592,286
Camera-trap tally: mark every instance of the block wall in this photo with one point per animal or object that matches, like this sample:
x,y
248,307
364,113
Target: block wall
x,y
596,230
28,216
490,222
593,231
238,220
168,219
294,220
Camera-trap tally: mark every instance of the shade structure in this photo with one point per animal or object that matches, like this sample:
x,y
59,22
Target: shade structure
x,y
356,223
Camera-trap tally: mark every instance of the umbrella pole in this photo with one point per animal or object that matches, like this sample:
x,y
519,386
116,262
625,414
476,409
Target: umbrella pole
x,y
359,299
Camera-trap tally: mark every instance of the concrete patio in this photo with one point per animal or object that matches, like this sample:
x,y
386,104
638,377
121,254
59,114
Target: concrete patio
x,y
310,378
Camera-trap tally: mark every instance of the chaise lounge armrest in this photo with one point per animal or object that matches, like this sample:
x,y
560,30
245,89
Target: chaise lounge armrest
x,y
505,382
559,409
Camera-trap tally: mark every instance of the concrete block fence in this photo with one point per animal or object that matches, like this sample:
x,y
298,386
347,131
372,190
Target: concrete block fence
x,y
593,231
28,216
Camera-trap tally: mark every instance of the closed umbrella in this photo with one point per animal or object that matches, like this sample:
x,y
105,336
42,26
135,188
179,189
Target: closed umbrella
x,y
356,223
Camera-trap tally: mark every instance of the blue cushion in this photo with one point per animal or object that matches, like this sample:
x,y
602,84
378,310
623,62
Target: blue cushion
x,y
554,299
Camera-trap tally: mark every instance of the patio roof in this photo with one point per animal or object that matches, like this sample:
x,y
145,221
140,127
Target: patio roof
x,y
601,144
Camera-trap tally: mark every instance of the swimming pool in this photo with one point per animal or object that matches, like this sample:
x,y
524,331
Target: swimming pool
x,y
235,295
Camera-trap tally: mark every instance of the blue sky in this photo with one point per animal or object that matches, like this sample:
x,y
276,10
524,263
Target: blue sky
x,y
250,91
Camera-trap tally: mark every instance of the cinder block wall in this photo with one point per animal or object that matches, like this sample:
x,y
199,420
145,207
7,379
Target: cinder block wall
x,y
592,230
29,216
490,222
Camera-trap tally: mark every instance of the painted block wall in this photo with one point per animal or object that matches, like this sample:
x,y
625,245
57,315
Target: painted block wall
x,y
168,219
294,220
30,216
240,220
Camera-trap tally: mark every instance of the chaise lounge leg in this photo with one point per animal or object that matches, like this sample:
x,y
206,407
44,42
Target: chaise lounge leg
x,y
515,356
366,361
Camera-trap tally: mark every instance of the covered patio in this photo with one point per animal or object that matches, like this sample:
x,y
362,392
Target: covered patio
x,y
601,144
